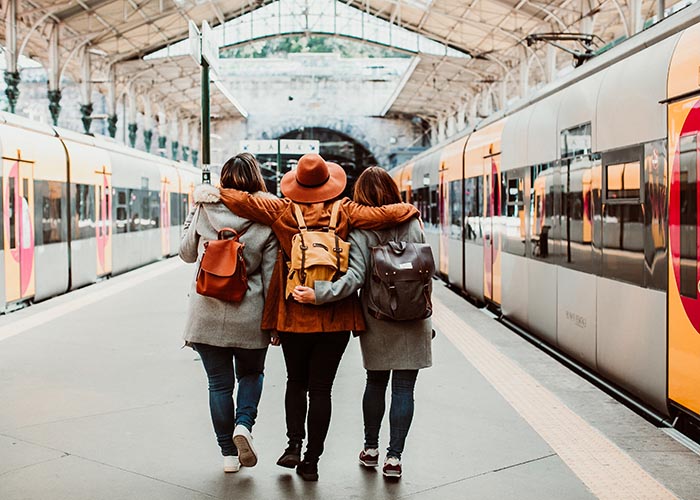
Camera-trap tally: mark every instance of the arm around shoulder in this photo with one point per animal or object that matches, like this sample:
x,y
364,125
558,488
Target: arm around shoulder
x,y
351,281
366,217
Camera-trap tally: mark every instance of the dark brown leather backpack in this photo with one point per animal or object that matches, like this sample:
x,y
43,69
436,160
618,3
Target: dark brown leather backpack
x,y
222,272
402,281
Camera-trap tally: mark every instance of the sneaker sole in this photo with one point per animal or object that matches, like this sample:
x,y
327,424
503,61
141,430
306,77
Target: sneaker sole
x,y
369,464
246,453
393,475
289,461
308,477
229,469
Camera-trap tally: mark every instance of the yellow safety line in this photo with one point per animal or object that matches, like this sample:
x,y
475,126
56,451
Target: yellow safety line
x,y
603,467
107,289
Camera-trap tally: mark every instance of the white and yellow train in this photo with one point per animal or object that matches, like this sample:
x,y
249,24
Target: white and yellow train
x,y
577,214
77,208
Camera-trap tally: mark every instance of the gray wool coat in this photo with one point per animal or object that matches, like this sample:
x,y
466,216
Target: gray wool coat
x,y
386,345
213,321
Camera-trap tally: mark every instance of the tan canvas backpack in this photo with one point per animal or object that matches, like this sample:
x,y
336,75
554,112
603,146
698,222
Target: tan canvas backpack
x,y
319,255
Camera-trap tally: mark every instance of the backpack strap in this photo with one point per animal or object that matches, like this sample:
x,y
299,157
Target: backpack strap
x,y
299,217
331,228
302,230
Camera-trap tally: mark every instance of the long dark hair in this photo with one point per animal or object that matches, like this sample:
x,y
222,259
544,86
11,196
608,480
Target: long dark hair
x,y
375,187
242,172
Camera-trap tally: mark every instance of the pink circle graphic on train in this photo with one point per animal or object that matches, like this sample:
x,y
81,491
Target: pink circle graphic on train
x,y
690,305
23,253
104,222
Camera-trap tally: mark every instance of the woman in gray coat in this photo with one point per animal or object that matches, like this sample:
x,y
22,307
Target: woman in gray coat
x,y
228,334
397,349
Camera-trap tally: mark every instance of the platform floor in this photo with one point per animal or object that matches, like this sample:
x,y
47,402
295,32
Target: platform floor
x,y
98,401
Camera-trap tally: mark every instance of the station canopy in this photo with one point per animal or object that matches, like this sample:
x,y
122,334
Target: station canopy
x,y
460,47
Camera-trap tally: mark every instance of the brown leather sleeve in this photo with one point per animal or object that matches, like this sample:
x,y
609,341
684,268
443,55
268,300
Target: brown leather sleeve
x,y
258,209
364,217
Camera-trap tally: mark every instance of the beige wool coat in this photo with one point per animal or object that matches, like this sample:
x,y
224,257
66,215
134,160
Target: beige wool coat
x,y
386,345
213,321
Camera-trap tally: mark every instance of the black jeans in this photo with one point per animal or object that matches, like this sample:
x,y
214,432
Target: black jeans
x,y
312,361
219,365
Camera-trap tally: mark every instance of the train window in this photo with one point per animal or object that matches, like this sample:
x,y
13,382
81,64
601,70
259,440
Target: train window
x,y
542,211
121,214
576,141
689,217
134,203
185,208
656,215
11,210
473,209
577,213
51,194
434,214
84,213
174,209
155,209
145,210
622,181
514,220
456,209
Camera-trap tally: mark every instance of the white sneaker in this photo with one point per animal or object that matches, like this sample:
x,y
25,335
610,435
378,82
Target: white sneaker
x,y
243,440
231,464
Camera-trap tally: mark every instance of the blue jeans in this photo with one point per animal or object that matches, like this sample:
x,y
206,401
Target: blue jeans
x,y
219,365
400,414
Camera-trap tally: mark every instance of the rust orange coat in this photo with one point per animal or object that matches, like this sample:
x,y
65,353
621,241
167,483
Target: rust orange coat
x,y
287,315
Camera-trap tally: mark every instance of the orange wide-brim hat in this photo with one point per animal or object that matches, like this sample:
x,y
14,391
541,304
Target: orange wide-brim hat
x,y
314,180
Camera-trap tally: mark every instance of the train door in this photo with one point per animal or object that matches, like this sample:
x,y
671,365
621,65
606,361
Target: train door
x,y
18,227
103,221
165,215
492,233
684,286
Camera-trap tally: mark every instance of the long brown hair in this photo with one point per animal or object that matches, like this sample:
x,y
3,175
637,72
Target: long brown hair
x,y
375,187
242,172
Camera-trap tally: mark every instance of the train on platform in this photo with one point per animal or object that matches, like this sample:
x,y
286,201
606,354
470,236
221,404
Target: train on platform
x,y
575,214
77,209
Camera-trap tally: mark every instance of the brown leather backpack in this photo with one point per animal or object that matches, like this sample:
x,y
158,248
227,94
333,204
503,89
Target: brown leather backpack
x,y
402,281
316,255
222,272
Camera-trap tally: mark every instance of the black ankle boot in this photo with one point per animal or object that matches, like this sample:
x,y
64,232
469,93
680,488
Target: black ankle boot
x,y
308,470
291,456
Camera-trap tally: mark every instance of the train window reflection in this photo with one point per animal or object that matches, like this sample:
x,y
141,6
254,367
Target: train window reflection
x,y
51,223
541,211
473,209
515,230
456,209
623,181
689,218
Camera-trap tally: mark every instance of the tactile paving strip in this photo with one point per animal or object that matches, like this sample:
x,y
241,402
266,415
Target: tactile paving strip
x,y
603,467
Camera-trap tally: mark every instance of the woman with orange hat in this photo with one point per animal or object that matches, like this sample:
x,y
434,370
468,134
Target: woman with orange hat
x,y
313,337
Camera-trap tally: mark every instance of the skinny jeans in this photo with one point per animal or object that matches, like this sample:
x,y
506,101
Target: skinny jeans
x,y
403,383
249,372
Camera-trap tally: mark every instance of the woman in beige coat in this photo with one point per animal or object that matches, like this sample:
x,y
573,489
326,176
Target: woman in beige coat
x,y
228,335
396,349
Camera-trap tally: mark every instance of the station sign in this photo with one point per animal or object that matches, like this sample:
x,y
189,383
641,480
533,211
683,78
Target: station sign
x,y
210,47
195,42
286,147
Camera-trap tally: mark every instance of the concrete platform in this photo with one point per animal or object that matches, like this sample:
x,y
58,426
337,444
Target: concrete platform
x,y
100,402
